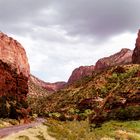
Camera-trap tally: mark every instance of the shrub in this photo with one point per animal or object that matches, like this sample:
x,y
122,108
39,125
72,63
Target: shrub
x,y
127,113
81,130
10,107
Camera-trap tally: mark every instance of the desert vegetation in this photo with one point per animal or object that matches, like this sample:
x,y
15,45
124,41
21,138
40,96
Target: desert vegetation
x,y
112,130
81,101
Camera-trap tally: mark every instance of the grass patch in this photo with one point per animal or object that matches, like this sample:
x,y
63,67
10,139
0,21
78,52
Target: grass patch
x,y
74,130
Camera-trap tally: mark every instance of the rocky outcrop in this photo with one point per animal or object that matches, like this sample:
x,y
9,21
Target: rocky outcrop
x,y
120,58
14,74
136,52
49,87
80,72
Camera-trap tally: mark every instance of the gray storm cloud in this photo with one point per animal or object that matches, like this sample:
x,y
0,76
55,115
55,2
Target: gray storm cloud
x,y
97,18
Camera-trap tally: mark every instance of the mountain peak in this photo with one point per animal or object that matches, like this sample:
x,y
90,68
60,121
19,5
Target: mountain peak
x,y
80,72
122,57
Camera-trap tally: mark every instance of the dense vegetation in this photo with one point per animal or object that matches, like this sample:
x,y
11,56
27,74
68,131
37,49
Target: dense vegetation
x,y
114,91
10,107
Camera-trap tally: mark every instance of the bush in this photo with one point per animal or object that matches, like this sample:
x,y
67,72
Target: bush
x,y
127,113
10,107
4,109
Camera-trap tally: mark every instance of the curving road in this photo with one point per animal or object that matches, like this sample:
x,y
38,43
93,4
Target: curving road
x,y
14,129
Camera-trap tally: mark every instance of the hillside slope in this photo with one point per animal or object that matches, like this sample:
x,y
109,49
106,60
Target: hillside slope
x,y
117,88
35,90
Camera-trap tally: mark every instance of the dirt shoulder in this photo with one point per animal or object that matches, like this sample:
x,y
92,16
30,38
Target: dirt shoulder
x,y
32,131
35,133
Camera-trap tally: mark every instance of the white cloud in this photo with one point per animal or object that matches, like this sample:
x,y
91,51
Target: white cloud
x,y
55,61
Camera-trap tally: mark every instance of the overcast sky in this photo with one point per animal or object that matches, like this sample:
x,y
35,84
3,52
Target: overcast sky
x,y
60,35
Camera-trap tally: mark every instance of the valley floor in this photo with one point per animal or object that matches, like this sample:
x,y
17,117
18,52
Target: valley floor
x,y
11,130
79,130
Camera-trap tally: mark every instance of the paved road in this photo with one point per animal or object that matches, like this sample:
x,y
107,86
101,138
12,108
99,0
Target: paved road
x,y
14,129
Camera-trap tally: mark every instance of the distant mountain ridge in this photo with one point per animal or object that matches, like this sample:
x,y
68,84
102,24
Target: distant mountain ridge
x,y
120,58
49,86
124,56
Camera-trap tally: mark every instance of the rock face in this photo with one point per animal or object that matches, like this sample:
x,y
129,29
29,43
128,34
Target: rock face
x,y
81,72
50,87
120,58
14,74
136,52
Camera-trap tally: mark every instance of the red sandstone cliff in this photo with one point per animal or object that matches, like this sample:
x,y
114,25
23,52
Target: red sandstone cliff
x,y
80,72
14,73
13,54
136,52
120,58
